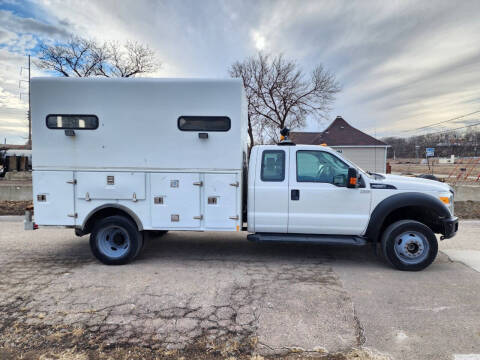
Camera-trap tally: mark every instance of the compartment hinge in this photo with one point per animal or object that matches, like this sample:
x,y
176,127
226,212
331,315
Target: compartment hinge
x,y
73,182
198,183
236,184
199,217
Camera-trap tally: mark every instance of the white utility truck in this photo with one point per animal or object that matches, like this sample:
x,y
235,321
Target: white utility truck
x,y
115,158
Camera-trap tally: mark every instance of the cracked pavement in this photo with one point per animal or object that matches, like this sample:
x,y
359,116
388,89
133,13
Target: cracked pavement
x,y
220,294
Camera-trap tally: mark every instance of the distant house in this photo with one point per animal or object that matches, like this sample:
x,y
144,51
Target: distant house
x,y
362,149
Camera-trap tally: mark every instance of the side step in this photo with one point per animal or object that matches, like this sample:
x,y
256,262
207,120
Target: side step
x,y
350,240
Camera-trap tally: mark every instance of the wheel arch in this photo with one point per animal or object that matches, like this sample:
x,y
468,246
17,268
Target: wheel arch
x,y
413,206
105,210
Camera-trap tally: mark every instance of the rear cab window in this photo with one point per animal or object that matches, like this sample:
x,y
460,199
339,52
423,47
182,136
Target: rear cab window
x,y
273,165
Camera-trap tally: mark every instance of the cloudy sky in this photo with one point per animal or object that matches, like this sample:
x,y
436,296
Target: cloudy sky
x,y
401,64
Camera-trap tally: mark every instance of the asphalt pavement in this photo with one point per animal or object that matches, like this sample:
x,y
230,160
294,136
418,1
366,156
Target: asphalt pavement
x,y
223,294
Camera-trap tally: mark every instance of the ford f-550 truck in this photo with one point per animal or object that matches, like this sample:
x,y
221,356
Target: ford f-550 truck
x,y
115,158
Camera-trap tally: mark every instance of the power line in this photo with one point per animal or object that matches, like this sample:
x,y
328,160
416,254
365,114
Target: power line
x,y
451,130
444,121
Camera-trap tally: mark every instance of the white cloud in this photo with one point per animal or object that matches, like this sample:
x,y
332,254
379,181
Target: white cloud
x,y
401,64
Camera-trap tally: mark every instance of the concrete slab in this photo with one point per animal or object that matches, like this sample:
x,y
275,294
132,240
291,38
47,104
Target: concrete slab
x,y
15,191
465,246
470,258
432,314
11,218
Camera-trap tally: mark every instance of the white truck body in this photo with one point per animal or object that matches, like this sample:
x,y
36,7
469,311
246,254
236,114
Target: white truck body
x,y
139,143
118,157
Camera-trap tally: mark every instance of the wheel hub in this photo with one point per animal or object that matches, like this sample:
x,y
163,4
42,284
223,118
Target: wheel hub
x,y
411,247
118,239
113,241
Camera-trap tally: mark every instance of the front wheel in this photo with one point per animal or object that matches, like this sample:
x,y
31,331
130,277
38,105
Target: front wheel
x,y
115,240
409,245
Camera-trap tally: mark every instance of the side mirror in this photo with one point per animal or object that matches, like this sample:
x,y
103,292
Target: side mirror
x,y
352,181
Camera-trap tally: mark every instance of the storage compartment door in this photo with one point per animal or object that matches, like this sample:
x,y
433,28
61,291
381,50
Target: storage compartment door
x,y
220,201
175,200
53,198
95,185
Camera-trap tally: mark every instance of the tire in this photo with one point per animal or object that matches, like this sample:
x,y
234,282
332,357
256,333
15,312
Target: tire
x,y
115,240
409,245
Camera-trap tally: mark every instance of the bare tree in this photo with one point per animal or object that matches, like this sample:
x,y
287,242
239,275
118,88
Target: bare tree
x,y
279,94
246,71
83,58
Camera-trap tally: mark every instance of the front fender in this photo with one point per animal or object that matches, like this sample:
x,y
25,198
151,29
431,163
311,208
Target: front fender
x,y
397,201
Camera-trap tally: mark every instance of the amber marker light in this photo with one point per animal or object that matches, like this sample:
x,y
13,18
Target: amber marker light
x,y
444,199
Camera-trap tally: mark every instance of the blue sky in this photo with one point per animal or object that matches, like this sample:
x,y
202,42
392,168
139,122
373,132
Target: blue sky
x,y
401,64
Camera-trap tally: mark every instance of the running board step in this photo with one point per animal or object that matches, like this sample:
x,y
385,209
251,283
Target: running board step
x,y
308,238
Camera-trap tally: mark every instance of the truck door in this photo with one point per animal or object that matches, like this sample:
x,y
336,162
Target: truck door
x,y
319,201
271,190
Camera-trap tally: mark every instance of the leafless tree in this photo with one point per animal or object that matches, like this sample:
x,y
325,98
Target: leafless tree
x,y
82,58
280,94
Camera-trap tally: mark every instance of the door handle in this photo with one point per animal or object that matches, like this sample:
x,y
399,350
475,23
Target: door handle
x,y
295,194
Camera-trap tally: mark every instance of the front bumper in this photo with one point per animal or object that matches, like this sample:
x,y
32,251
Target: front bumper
x,y
449,227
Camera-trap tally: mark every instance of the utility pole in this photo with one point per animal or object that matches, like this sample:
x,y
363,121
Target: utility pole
x,y
29,108
29,113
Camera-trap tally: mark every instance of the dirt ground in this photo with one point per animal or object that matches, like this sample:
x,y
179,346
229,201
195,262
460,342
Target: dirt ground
x,y
463,209
13,207
137,352
463,171
412,166
467,209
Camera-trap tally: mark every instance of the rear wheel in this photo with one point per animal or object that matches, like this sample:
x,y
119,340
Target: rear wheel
x,y
409,245
115,240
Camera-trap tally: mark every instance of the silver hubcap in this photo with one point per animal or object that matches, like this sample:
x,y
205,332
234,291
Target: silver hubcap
x,y
113,241
411,247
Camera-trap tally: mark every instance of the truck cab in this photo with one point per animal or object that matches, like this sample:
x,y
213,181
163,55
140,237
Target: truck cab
x,y
312,193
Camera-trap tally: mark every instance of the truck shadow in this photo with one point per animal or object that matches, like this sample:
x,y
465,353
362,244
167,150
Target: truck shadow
x,y
236,247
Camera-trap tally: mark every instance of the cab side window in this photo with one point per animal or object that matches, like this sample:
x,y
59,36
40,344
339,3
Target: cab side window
x,y
322,167
273,165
